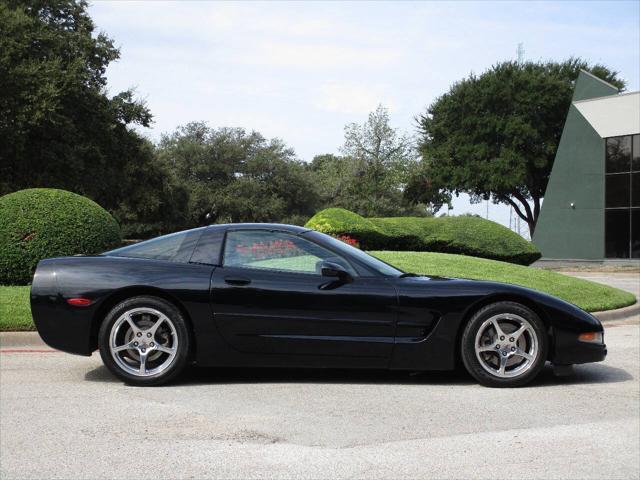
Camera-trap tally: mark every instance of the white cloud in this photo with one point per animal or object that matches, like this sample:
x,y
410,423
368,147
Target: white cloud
x,y
352,98
320,56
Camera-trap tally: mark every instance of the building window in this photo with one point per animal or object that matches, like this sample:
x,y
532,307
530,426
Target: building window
x,y
622,197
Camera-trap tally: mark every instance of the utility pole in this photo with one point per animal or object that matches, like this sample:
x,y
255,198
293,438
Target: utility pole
x,y
510,217
520,60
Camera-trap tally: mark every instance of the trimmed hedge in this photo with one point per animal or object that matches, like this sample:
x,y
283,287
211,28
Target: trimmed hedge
x,y
40,223
338,221
471,236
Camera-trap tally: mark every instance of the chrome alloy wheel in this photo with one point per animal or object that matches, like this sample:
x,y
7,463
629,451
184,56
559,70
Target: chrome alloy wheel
x,y
506,345
143,342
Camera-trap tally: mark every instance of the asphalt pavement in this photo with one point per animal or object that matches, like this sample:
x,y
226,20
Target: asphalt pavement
x,y
63,416
629,281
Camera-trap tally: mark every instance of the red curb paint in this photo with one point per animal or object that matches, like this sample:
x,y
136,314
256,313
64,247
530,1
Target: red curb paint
x,y
24,350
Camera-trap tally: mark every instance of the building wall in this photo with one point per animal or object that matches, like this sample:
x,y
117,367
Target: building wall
x,y
577,177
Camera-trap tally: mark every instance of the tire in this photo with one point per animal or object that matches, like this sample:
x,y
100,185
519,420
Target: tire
x,y
509,357
144,341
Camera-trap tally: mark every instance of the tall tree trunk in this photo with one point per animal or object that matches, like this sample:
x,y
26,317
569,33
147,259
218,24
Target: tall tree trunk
x,y
528,215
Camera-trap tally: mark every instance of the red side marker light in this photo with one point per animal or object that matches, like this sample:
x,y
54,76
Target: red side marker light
x,y
79,302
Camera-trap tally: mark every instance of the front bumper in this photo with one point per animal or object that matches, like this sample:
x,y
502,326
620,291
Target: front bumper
x,y
580,352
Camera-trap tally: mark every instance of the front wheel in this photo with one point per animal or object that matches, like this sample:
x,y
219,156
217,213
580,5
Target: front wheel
x,y
144,341
504,345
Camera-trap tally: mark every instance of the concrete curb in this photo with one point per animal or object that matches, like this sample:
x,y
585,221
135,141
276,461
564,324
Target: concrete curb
x,y
21,339
619,314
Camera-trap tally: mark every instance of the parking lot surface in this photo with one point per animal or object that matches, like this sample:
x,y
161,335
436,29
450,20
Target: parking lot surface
x,y
63,416
629,281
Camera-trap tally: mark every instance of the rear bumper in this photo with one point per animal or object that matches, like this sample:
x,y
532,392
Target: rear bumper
x,y
60,326
68,332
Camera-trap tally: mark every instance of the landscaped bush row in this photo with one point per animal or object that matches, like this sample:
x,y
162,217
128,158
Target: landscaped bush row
x,y
44,222
462,235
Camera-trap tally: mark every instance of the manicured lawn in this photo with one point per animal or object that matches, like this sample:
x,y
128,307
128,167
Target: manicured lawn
x,y
15,313
589,296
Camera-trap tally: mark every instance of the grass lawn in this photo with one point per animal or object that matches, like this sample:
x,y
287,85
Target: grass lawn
x,y
589,296
15,313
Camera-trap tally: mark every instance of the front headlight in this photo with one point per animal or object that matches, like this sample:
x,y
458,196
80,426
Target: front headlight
x,y
591,337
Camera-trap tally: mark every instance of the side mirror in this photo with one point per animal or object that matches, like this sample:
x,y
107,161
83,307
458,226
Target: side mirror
x,y
331,269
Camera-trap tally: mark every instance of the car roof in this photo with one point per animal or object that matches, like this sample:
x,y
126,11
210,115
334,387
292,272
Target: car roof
x,y
261,226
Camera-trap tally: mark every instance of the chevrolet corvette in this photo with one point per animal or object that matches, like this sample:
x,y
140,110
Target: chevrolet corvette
x,y
270,295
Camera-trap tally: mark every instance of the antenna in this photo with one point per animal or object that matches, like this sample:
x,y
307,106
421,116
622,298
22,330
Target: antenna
x,y
520,53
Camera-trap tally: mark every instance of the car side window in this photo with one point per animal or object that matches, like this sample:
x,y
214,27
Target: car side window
x,y
280,251
209,246
175,247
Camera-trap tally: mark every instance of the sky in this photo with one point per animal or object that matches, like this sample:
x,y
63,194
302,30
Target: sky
x,y
301,71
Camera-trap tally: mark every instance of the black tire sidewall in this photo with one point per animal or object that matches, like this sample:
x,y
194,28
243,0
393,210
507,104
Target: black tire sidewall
x,y
182,331
471,362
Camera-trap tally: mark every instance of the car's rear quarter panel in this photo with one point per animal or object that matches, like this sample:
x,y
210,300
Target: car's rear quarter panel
x,y
106,281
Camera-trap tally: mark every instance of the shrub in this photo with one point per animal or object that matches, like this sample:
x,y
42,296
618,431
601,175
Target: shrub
x,y
39,223
338,222
466,235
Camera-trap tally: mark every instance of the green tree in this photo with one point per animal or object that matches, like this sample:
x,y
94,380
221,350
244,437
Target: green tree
x,y
371,175
58,126
381,160
154,202
333,176
495,135
235,176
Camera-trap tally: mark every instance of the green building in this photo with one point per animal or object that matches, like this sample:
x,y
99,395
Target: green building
x,y
591,209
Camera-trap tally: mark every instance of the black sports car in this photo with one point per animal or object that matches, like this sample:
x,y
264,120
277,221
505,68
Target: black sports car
x,y
267,295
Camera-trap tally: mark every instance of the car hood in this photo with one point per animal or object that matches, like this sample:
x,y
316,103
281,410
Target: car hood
x,y
471,292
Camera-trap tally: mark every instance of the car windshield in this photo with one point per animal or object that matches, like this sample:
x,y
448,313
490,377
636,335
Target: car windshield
x,y
371,262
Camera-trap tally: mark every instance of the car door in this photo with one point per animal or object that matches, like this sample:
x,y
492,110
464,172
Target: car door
x,y
270,297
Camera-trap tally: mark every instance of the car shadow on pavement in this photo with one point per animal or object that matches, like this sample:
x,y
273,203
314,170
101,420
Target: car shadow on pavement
x,y
225,376
321,376
583,374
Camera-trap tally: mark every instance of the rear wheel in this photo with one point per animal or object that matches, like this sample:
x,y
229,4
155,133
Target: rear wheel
x,y
504,345
144,341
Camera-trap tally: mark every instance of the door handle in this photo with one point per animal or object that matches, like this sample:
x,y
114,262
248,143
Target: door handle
x,y
237,281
